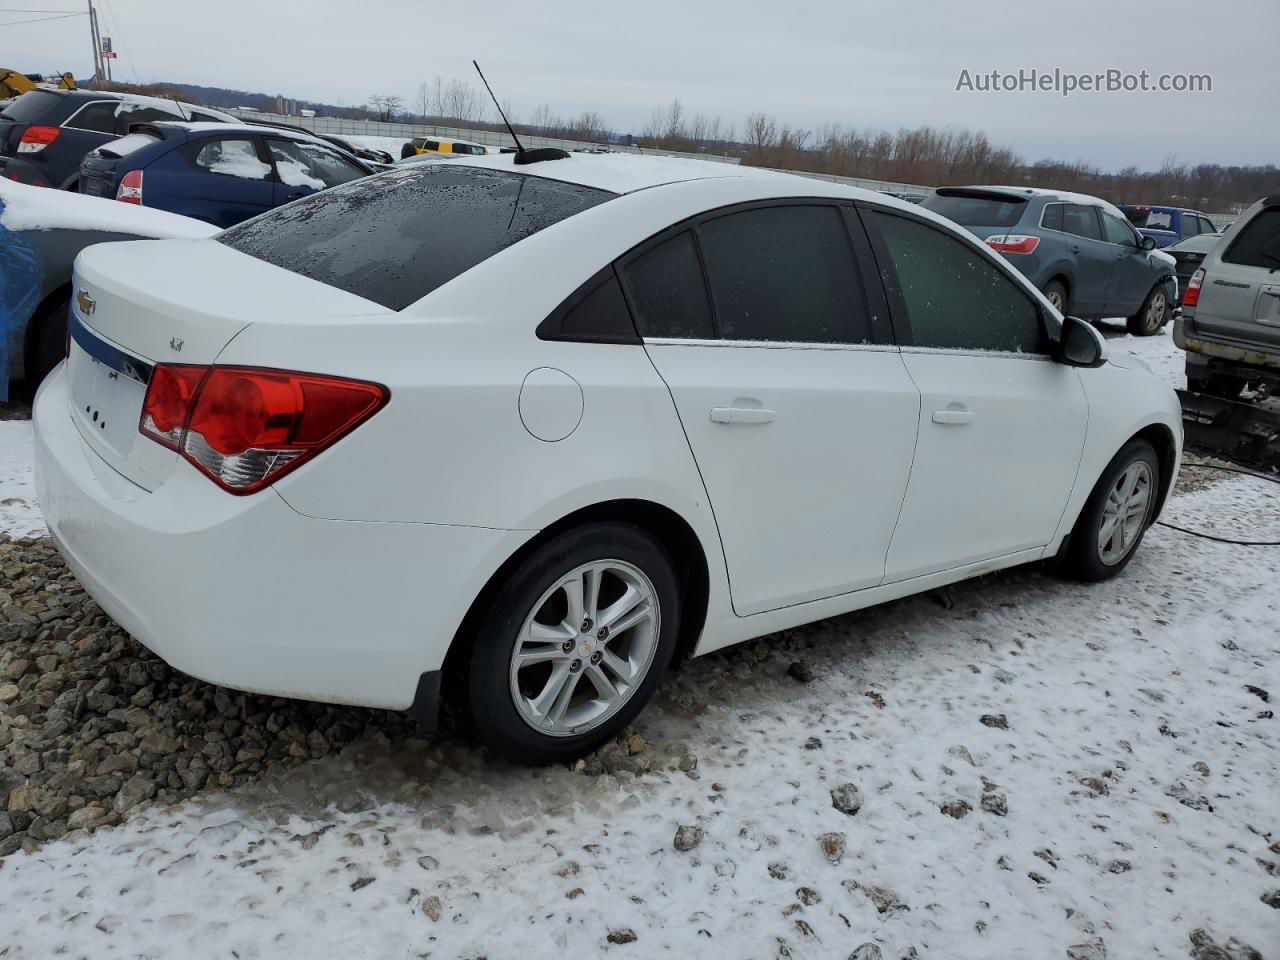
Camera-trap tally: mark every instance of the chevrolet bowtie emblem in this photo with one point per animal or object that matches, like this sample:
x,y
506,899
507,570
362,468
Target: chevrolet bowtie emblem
x,y
86,302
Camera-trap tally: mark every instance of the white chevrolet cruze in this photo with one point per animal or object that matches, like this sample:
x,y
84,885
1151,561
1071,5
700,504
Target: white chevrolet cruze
x,y
514,435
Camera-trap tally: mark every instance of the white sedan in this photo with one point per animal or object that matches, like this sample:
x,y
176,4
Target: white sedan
x,y
514,435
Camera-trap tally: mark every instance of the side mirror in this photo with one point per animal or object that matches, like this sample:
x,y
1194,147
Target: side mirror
x,y
1148,243
1082,345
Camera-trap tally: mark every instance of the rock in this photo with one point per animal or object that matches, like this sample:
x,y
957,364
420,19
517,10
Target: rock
x,y
1091,950
159,743
884,900
996,803
360,883
799,671
1119,866
17,669
622,935
433,908
878,702
687,837
996,721
592,765
138,788
1187,798
808,896
8,692
955,808
832,845
688,763
813,743
846,798
867,951
1095,785
1258,692
636,744
778,871
1271,898
86,817
6,825
575,893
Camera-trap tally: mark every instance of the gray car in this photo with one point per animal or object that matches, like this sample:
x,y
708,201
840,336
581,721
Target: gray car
x,y
1230,323
1079,250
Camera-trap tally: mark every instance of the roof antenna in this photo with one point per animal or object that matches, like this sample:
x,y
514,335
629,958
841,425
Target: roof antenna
x,y
523,156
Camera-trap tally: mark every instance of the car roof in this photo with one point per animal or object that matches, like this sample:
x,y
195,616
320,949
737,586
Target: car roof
x,y
197,126
629,172
1066,196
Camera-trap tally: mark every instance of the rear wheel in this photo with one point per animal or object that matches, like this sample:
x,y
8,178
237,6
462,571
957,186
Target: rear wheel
x,y
1152,315
1056,294
575,643
1116,515
48,339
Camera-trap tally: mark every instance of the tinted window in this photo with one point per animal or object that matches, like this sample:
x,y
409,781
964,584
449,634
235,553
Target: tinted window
x,y
130,113
1190,226
668,292
1117,230
1258,244
1081,221
301,164
201,117
396,237
601,314
1135,215
99,117
954,297
31,106
784,273
1206,226
1051,219
233,158
977,209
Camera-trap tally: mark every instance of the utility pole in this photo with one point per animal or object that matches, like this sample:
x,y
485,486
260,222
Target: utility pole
x,y
97,45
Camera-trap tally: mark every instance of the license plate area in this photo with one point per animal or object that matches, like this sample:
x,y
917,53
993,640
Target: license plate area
x,y
1268,309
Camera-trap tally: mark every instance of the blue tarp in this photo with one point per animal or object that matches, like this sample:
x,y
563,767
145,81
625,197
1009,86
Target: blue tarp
x,y
20,277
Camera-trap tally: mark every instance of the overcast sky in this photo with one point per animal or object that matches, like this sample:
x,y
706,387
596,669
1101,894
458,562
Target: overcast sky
x,y
886,64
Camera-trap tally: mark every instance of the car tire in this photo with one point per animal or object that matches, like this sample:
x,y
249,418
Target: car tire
x,y
552,704
1056,294
48,339
1101,546
1152,315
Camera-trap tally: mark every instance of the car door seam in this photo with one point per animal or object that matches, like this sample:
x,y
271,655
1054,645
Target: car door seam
x,y
911,468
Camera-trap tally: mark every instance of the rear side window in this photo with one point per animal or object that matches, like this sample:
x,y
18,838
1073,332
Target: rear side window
x,y
31,106
954,298
785,273
232,158
977,209
1051,219
396,237
668,291
1081,220
98,117
597,313
1258,244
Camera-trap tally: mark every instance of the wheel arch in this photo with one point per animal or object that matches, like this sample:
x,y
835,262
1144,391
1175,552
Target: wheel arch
x,y
672,530
1160,436
39,317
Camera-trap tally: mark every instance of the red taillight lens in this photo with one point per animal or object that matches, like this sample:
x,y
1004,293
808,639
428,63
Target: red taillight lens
x,y
1013,243
130,190
35,139
245,427
1191,295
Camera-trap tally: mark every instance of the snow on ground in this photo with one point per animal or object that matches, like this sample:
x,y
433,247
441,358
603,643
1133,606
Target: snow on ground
x,y
1041,765
19,514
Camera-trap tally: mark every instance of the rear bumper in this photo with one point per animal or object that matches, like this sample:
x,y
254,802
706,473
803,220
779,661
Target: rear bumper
x,y
246,592
1186,336
22,171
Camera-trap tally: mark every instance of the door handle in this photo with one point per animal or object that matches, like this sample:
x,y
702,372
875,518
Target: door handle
x,y
953,416
1075,248
741,415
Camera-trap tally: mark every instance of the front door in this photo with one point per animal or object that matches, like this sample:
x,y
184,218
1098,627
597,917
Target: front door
x,y
1095,260
1133,277
1002,425
801,418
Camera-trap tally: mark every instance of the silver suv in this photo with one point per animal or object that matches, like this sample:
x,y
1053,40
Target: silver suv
x,y
1230,323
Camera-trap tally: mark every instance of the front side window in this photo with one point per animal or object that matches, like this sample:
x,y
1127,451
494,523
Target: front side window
x,y
1258,244
232,158
1190,225
395,237
1081,220
785,273
668,292
954,297
1117,230
301,164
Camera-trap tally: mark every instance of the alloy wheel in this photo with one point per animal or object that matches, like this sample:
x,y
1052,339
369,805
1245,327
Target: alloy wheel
x,y
1125,513
1156,311
585,648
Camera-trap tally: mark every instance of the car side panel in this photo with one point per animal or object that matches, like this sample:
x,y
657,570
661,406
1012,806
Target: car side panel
x,y
173,184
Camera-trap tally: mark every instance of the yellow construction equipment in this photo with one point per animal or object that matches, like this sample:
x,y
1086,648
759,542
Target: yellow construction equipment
x,y
15,84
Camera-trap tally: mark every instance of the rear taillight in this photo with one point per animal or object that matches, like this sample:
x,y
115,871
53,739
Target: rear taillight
x,y
246,427
130,189
35,139
1191,295
1013,243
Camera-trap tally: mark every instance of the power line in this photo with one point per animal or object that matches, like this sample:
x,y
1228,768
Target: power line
x,y
27,10
65,16
116,21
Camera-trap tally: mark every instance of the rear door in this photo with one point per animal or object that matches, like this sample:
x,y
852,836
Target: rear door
x,y
220,180
798,410
1095,260
1002,425
1240,297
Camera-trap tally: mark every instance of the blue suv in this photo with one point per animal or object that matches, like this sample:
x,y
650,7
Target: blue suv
x,y
1167,225
220,173
1079,250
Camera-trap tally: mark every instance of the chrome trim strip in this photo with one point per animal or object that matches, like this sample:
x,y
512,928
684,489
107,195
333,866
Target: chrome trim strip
x,y
999,354
107,353
770,344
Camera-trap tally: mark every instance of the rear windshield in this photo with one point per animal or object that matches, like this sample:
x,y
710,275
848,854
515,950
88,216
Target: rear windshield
x,y
31,106
977,210
395,237
1258,244
1149,219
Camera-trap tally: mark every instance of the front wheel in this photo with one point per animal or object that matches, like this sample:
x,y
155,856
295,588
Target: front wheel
x,y
1152,315
1116,515
575,643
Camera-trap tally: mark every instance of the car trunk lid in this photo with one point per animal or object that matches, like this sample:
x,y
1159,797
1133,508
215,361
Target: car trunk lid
x,y
141,303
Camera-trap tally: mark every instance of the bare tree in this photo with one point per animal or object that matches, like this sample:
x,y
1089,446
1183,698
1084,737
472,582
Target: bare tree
x,y
461,101
386,105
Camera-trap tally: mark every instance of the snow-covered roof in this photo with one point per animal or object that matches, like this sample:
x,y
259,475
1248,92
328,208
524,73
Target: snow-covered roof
x,y
24,207
1064,195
